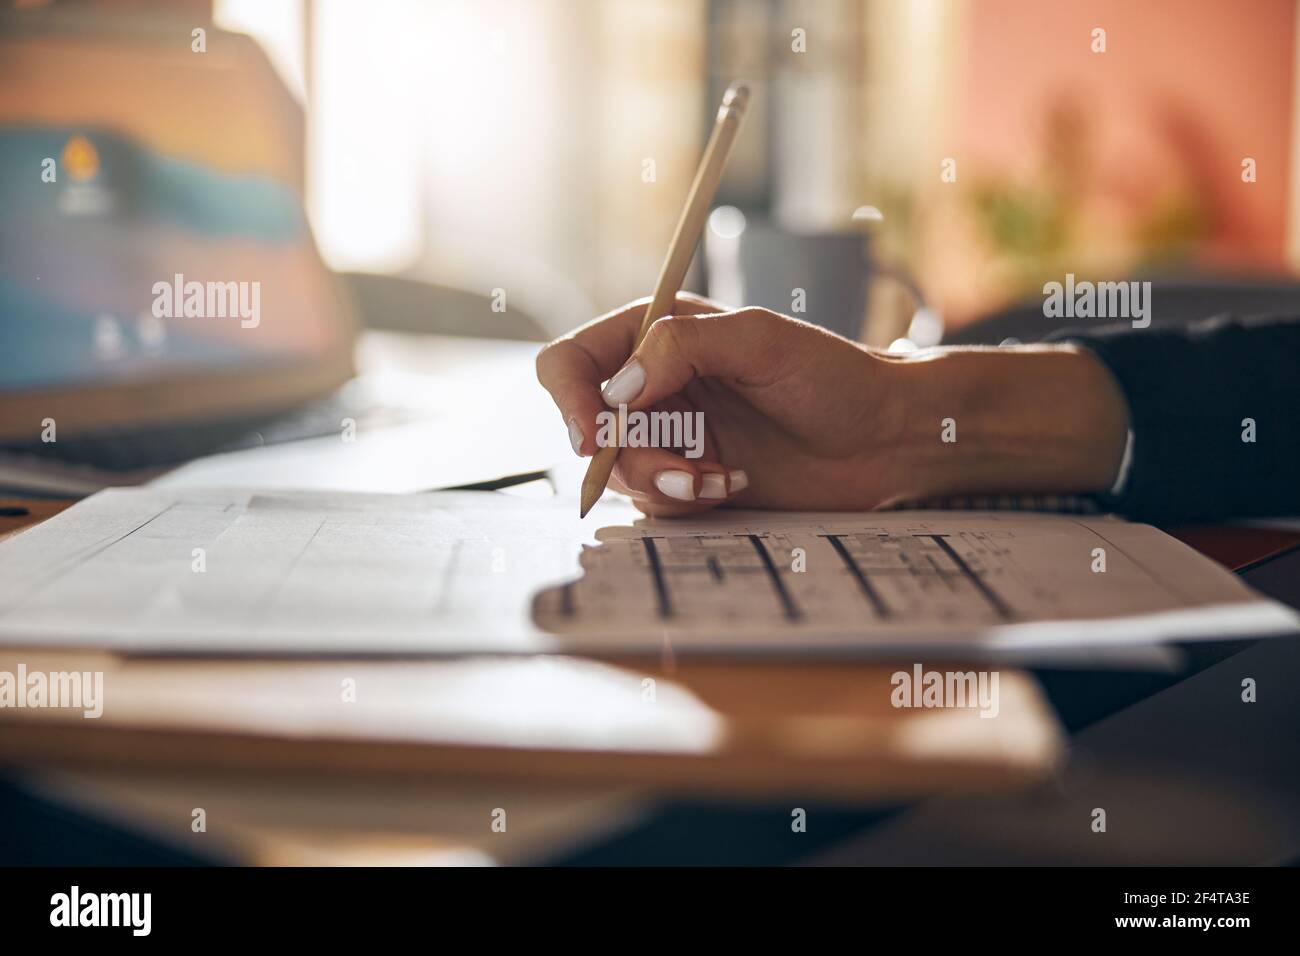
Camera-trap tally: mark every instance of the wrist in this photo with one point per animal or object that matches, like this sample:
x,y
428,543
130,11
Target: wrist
x,y
1046,418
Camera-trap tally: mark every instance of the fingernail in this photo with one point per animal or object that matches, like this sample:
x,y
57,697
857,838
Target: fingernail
x,y
713,486
575,436
676,484
626,384
739,480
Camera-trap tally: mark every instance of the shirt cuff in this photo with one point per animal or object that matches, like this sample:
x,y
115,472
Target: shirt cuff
x,y
1125,464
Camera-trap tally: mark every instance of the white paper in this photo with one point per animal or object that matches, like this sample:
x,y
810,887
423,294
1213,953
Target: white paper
x,y
216,571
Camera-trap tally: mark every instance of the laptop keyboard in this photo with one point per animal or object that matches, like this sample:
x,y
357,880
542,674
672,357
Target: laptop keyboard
x,y
172,444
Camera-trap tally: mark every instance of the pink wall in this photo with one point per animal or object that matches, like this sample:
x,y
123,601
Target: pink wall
x,y
1186,89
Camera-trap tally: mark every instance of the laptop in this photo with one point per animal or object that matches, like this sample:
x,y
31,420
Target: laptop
x,y
161,296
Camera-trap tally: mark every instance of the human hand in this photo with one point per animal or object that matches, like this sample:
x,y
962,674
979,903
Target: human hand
x,y
797,417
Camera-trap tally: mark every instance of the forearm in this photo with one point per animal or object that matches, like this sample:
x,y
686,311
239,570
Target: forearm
x,y
1005,420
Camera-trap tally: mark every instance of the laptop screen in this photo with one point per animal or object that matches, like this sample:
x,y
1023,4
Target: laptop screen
x,y
153,224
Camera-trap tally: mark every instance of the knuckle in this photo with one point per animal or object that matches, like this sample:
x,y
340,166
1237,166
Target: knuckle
x,y
544,361
759,316
666,333
553,362
681,334
555,368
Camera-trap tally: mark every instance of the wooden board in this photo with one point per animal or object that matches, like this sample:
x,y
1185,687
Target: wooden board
x,y
813,729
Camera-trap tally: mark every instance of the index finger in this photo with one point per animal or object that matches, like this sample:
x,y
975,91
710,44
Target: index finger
x,y
593,352
572,368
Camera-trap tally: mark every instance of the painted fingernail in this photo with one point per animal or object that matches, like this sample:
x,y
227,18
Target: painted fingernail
x,y
626,384
575,436
739,480
713,486
679,485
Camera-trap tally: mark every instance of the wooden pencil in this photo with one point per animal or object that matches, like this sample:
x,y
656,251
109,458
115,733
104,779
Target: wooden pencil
x,y
680,251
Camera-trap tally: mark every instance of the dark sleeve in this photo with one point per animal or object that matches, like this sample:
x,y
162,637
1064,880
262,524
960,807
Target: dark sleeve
x,y
1197,396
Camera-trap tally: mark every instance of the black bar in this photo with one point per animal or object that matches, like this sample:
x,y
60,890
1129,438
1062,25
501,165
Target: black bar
x,y
1027,905
792,611
984,589
657,571
867,588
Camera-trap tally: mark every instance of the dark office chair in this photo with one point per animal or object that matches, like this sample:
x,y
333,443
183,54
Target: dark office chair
x,y
1174,302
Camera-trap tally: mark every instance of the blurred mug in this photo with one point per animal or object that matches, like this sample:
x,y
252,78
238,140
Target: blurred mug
x,y
818,277
830,279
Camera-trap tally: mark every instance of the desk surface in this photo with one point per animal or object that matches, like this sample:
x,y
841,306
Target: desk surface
x,y
351,820
253,818
190,733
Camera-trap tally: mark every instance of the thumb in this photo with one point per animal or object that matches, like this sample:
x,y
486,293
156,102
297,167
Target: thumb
x,y
679,348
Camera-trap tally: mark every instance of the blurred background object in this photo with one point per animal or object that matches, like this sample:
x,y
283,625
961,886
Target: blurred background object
x,y
1128,140
519,165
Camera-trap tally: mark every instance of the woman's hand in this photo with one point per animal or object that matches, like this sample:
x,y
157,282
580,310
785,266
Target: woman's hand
x,y
797,417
